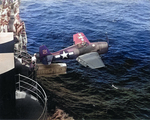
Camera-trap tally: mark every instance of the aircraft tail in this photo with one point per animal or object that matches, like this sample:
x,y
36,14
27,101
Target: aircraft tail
x,y
45,55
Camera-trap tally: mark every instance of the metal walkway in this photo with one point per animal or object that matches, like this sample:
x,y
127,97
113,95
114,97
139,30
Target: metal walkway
x,y
31,98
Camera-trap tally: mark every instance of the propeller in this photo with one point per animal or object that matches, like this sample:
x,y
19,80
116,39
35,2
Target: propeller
x,y
107,40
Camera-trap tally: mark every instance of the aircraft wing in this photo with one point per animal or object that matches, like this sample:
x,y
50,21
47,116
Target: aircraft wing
x,y
80,38
92,60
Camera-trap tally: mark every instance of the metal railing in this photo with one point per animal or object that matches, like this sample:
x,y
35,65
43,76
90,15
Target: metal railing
x,y
32,87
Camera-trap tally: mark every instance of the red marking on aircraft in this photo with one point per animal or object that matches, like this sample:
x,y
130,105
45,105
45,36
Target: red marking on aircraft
x,y
80,38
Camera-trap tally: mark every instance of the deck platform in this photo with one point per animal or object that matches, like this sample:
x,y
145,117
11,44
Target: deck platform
x,y
50,70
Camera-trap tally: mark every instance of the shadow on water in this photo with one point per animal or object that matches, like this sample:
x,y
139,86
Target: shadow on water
x,y
79,96
118,91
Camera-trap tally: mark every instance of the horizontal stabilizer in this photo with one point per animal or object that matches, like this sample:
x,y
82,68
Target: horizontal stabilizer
x,y
92,60
47,60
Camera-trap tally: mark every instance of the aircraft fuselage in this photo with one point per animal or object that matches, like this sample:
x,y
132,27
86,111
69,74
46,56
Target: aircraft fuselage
x,y
80,49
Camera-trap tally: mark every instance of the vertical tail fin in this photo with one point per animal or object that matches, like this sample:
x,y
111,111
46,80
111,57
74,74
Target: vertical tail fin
x,y
44,52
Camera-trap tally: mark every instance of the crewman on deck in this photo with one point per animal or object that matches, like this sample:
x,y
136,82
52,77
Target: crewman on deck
x,y
33,62
33,59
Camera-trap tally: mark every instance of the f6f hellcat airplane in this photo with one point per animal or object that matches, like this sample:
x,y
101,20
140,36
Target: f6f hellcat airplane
x,y
86,53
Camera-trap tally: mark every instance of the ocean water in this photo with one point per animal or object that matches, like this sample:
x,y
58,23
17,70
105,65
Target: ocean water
x,y
121,90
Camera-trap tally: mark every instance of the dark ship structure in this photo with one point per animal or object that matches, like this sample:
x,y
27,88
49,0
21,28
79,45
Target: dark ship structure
x,y
21,97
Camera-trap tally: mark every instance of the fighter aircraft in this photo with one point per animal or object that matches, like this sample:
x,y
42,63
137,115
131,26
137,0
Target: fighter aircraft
x,y
85,52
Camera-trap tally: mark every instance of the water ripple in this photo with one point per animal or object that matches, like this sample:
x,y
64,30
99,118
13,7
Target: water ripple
x,y
87,93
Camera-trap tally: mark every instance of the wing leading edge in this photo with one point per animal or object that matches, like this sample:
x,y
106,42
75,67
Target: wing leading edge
x,y
92,60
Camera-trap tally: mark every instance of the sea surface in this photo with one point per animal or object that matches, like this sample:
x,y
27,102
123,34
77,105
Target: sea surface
x,y
121,90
